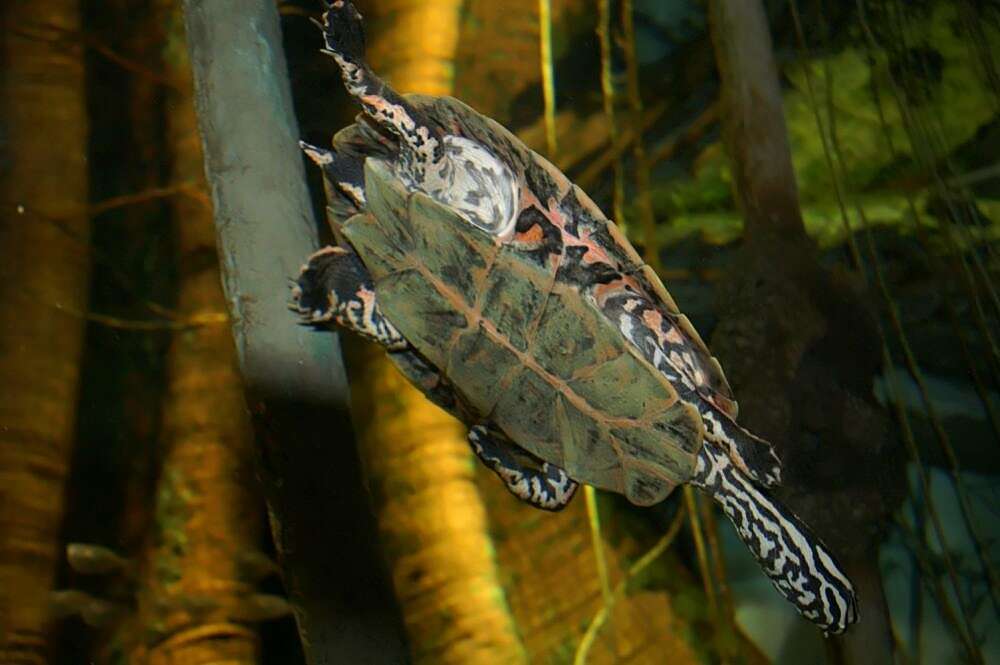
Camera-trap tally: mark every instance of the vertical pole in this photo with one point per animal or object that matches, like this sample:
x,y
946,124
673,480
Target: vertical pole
x,y
44,268
295,383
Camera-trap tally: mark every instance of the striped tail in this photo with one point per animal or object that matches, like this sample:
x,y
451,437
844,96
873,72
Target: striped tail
x,y
799,565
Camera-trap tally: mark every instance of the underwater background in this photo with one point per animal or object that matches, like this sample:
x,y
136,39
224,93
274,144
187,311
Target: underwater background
x,y
147,517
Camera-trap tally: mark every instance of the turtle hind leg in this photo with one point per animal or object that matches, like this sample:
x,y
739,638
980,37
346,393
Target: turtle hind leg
x,y
334,287
549,487
799,565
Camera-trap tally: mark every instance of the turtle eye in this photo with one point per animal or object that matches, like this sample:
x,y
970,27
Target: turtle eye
x,y
476,184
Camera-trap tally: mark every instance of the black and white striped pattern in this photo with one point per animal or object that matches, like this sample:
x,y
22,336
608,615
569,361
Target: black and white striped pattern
x,y
799,565
548,488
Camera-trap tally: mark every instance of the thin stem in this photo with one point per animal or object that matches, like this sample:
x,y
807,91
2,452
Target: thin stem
x,y
192,189
608,94
704,568
198,320
598,544
830,148
119,275
964,636
61,37
647,218
942,436
959,331
718,562
599,619
548,74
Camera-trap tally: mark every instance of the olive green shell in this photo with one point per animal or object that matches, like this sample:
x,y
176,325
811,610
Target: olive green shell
x,y
456,114
526,352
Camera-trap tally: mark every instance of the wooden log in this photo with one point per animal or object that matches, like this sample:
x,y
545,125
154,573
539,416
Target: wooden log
x,y
44,279
295,383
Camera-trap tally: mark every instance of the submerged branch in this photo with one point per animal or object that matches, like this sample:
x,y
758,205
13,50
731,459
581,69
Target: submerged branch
x,y
608,96
295,383
548,75
644,203
45,127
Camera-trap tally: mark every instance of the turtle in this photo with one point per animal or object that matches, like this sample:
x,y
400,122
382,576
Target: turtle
x,y
500,290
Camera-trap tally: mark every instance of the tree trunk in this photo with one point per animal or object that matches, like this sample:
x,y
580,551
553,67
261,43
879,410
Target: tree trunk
x,y
295,384
432,520
799,343
43,289
194,592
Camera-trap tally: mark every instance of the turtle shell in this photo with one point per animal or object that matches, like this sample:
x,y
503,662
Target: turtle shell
x,y
548,188
525,347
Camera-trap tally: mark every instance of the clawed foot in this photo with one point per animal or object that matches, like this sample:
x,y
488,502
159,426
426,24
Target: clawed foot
x,y
335,287
311,295
343,31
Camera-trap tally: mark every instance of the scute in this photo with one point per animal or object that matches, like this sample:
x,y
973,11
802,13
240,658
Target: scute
x,y
518,415
615,387
456,258
588,448
482,367
380,235
510,296
535,357
570,354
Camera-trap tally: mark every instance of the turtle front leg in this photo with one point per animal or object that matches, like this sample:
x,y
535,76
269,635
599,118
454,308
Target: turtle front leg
x,y
548,488
344,38
799,565
334,287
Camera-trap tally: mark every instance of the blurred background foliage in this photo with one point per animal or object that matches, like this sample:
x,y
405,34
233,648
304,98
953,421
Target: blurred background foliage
x,y
893,117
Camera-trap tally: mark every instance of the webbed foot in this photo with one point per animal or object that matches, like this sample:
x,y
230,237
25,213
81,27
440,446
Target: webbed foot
x,y
346,171
548,487
334,287
344,31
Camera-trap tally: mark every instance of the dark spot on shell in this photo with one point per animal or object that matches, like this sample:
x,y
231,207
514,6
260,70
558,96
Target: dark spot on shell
x,y
551,240
540,182
574,271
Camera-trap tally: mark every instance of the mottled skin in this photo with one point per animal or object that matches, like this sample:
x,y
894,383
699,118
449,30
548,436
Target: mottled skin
x,y
417,179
